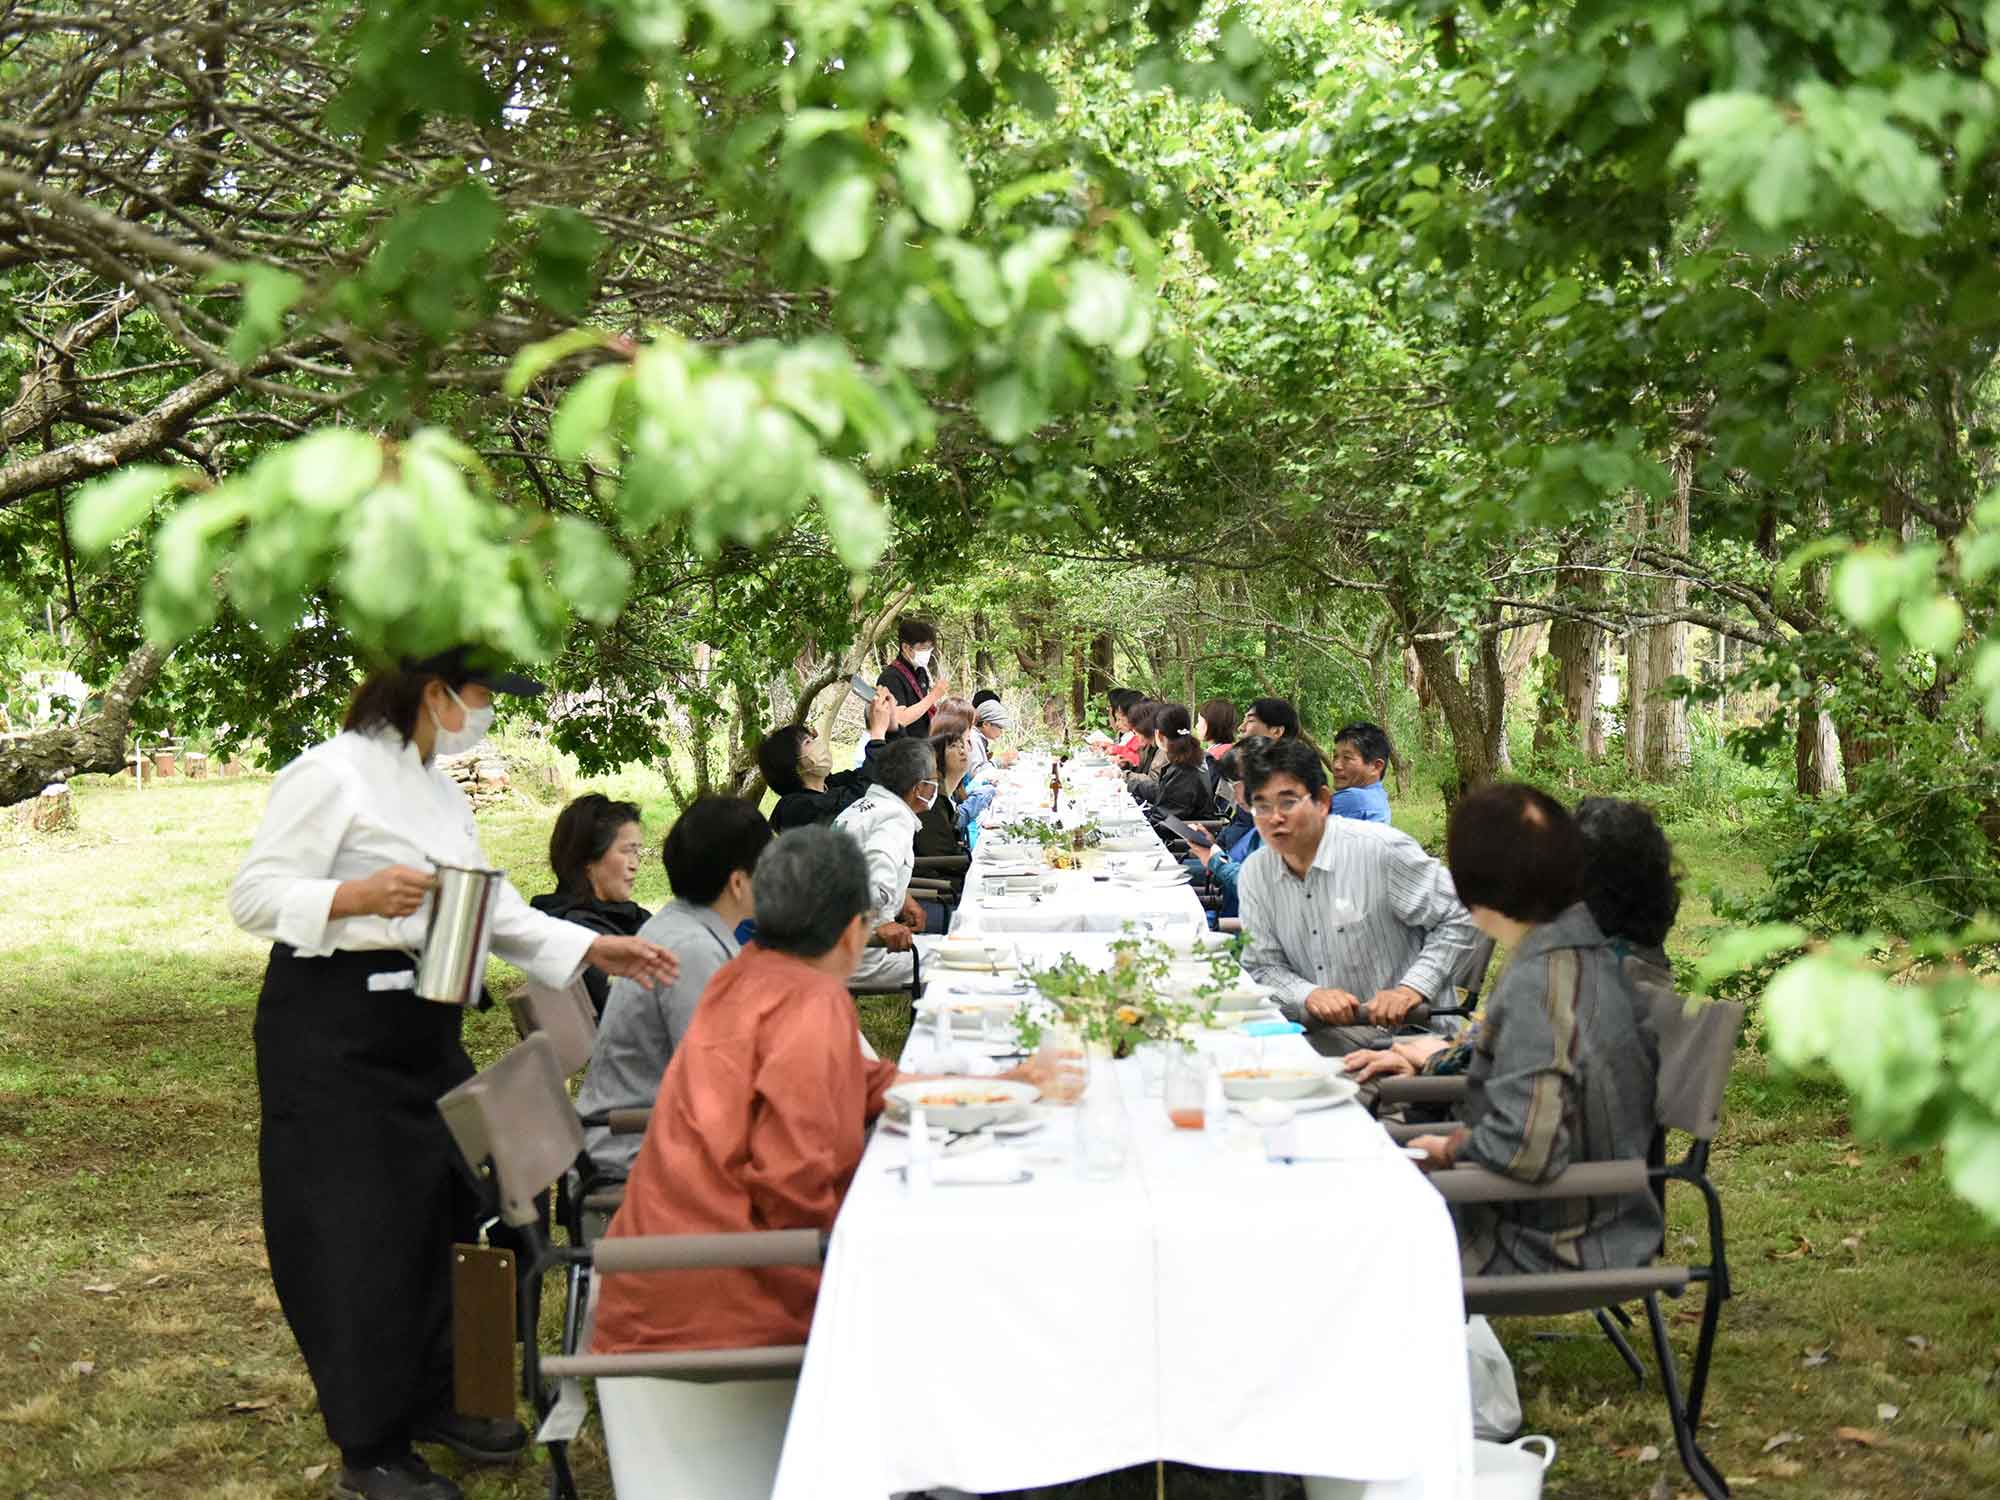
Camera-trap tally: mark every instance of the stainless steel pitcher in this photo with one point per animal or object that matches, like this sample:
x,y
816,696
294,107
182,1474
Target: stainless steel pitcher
x,y
460,934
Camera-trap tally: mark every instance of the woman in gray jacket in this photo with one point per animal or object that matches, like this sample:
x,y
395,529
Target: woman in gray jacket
x,y
1565,1066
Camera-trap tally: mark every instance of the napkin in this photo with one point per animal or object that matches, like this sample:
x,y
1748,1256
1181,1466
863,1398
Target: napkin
x,y
1273,1028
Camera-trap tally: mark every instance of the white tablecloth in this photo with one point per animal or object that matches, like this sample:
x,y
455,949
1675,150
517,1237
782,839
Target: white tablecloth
x,y
1207,1306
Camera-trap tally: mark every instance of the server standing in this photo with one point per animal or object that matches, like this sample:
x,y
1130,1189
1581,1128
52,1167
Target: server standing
x,y
362,1196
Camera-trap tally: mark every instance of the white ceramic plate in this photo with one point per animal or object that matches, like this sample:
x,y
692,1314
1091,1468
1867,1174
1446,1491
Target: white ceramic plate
x,y
1274,1081
965,1103
1337,1089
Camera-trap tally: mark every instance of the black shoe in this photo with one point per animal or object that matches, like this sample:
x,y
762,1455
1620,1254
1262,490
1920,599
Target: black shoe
x,y
406,1478
488,1440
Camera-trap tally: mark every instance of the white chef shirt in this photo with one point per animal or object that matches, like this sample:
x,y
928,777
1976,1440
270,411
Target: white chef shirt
x,y
344,810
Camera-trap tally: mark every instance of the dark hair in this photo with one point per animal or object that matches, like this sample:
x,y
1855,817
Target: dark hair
x,y
985,695
911,631
1142,714
808,886
1514,849
1219,714
1175,723
709,842
1121,699
394,697
584,832
1629,881
1371,741
1229,765
940,740
778,758
1276,713
901,764
1285,757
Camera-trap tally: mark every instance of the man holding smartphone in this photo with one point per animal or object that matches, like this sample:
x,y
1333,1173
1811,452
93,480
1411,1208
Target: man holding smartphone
x,y
908,679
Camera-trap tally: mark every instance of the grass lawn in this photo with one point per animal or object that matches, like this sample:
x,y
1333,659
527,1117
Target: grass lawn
x,y
147,1356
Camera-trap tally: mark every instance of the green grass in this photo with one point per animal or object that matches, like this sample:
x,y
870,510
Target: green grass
x,y
127,1161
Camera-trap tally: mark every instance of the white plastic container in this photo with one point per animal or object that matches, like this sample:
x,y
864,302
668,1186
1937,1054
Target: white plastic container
x,y
1500,1471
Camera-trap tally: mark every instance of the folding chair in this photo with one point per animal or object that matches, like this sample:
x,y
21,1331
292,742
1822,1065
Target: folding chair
x,y
707,1422
1697,1046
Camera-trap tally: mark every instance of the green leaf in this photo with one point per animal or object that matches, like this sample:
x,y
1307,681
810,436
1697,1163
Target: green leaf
x,y
107,508
739,20
925,336
268,294
1009,407
1030,90
1427,175
1781,190
1100,302
581,428
1986,677
977,282
1972,1162
1934,624
1867,586
1882,1040
1558,299
332,468
855,519
839,219
933,175
590,574
384,574
1740,948
808,125
1213,244
538,356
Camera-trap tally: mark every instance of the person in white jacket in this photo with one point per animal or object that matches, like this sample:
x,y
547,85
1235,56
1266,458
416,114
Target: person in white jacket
x,y
884,824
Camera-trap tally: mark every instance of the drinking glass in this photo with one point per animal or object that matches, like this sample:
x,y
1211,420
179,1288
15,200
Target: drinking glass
x,y
1065,1067
1185,1089
1102,1133
1152,1067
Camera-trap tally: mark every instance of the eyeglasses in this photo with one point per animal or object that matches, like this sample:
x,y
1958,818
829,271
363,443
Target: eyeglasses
x,y
1284,807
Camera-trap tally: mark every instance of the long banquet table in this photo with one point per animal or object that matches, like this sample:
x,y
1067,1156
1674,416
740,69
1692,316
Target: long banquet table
x,y
1208,1306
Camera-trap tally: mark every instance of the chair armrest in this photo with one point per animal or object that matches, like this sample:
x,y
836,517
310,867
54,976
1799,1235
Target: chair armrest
x,y
944,864
1449,1089
704,1252
1402,1132
627,1121
1591,1179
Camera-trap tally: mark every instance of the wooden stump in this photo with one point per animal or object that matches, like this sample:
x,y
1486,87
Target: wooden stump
x,y
197,766
232,767
163,762
54,811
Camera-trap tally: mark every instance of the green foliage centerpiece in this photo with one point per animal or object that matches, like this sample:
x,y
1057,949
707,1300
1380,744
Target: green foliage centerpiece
x,y
1119,1007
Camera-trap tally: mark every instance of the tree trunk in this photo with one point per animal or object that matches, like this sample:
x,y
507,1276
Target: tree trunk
x,y
1666,740
982,659
1578,649
1079,676
1102,662
1815,751
29,762
1475,746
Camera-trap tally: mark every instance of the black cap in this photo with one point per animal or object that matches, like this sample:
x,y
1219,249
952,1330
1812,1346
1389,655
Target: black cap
x,y
471,664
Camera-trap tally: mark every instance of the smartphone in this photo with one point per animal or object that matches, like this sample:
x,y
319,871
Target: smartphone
x,y
861,687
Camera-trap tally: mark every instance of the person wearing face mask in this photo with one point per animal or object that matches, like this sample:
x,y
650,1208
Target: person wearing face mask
x,y
595,851
797,764
884,823
908,679
362,1192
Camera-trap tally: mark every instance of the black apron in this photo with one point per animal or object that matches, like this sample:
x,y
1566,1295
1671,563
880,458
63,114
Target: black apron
x,y
363,1194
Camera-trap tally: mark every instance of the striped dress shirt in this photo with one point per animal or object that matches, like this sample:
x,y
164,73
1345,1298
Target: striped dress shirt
x,y
1374,911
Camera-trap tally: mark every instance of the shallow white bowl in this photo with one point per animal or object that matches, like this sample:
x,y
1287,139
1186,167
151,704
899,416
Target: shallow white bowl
x,y
988,1101
1278,1081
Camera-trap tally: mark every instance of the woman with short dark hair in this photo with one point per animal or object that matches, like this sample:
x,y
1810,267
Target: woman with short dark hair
x,y
595,849
1565,1066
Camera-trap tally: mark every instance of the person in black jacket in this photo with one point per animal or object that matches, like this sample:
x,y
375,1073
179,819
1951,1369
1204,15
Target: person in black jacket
x,y
798,766
596,850
1180,780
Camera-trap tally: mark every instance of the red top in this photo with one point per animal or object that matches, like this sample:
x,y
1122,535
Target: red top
x,y
1216,752
758,1125
1130,748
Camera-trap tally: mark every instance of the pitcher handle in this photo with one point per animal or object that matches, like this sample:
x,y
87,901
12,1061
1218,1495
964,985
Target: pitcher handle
x,y
1547,1450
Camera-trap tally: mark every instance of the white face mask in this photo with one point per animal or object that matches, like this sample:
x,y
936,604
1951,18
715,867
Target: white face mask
x,y
921,657
458,741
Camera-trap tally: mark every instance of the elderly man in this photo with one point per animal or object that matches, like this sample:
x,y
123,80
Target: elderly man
x,y
990,720
884,823
1351,924
760,1117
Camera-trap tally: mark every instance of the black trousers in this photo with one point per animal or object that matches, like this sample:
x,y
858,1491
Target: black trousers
x,y
363,1195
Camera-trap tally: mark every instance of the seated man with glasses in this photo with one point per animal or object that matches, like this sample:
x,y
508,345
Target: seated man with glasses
x,y
884,823
1351,924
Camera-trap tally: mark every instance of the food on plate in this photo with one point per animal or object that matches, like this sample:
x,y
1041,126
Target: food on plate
x,y
963,1099
1270,1073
